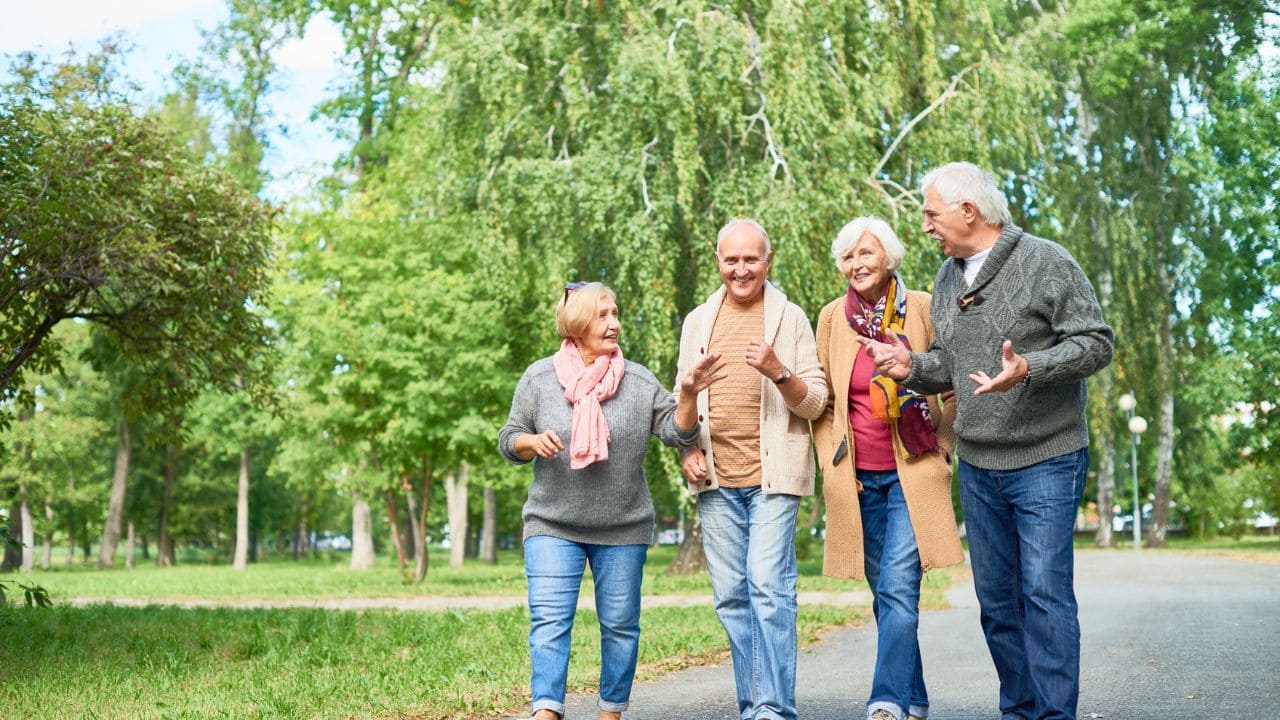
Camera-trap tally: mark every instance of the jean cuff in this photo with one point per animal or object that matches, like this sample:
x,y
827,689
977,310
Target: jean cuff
x,y
894,708
607,706
918,711
546,704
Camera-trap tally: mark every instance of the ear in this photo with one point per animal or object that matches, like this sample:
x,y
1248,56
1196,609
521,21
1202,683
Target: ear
x,y
969,211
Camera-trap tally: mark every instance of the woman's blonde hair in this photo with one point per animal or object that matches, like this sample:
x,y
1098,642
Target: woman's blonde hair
x,y
578,307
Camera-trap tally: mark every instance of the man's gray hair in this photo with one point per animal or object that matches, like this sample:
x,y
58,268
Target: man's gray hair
x,y
960,182
757,227
852,232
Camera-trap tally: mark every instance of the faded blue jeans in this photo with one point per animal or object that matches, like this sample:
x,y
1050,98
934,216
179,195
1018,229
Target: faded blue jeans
x,y
554,568
1019,524
749,540
892,562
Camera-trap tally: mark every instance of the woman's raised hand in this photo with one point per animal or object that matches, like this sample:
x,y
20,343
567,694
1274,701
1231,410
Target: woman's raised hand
x,y
700,377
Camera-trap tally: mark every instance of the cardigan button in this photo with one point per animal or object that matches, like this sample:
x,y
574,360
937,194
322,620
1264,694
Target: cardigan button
x,y
699,418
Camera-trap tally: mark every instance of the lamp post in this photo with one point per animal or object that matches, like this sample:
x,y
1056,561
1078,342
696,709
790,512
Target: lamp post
x,y
1137,426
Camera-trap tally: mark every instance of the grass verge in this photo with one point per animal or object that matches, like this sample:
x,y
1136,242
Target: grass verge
x,y
164,662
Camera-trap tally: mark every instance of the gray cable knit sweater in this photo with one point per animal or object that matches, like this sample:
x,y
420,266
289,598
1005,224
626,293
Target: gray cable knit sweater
x,y
1032,292
607,502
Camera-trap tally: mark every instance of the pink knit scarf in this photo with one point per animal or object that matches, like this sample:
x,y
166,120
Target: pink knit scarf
x,y
586,387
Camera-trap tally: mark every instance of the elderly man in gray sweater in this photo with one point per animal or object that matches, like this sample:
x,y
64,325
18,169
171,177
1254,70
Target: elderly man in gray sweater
x,y
1018,329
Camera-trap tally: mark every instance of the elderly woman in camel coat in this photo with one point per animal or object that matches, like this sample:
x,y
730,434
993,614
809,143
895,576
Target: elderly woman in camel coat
x,y
885,454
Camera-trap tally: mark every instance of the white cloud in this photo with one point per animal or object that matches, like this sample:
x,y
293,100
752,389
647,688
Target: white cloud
x,y
317,51
51,25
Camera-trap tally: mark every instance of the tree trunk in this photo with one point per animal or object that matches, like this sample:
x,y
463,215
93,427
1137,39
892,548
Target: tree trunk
x,y
421,560
48,538
164,550
489,527
131,545
393,521
362,555
1105,384
115,506
71,521
1159,530
240,558
28,531
13,555
690,558
1106,484
455,493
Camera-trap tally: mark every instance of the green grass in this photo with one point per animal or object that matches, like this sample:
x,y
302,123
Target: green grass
x,y
169,662
110,662
1256,548
333,579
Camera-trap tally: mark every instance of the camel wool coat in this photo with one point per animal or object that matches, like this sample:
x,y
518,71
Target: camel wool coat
x,y
926,480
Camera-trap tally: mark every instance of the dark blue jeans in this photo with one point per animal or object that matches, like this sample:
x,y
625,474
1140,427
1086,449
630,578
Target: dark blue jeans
x,y
1019,524
892,563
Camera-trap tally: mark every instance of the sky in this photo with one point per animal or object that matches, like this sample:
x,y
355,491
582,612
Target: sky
x,y
163,32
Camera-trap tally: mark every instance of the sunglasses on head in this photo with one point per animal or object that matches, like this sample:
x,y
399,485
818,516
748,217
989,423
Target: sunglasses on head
x,y
571,287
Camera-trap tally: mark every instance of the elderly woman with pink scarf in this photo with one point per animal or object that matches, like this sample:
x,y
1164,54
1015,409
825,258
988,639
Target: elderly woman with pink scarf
x,y
589,502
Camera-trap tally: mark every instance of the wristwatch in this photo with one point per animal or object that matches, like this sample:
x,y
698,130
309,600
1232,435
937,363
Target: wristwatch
x,y
785,376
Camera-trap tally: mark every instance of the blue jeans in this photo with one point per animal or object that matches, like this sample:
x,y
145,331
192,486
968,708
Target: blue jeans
x,y
749,540
1020,546
893,572
554,568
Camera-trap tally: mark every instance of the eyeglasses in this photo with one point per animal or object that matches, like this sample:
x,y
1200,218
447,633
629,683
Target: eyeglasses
x,y
571,287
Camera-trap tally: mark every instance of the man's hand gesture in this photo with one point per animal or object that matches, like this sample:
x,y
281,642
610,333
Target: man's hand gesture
x,y
892,358
1014,369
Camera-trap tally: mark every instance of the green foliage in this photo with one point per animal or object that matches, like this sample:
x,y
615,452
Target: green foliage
x,y
104,217
33,595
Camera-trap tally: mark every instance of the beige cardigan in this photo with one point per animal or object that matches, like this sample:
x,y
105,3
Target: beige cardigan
x,y
926,480
786,459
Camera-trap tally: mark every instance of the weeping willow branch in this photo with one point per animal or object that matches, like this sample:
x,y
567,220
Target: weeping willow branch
x,y
873,178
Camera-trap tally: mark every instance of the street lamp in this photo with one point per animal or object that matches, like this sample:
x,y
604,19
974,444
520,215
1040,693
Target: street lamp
x,y
1137,426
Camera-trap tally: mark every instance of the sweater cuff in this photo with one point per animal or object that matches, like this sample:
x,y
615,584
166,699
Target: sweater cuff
x,y
689,437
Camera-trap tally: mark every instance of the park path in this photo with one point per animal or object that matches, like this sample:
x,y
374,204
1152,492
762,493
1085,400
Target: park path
x,y
440,603
1164,637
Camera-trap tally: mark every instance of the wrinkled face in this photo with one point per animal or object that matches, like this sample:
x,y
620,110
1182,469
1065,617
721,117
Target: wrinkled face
x,y
946,224
743,262
601,336
867,267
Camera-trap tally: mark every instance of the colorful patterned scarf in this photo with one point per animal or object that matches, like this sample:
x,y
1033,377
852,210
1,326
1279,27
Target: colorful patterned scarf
x,y
892,403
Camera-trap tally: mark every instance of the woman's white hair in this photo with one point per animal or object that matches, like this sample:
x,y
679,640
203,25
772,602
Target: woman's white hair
x,y
960,182
856,228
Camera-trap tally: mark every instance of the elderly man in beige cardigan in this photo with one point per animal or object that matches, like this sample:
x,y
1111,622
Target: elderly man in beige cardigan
x,y
752,462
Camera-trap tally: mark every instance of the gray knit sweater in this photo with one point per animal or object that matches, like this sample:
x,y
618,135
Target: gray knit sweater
x,y
607,502
1032,292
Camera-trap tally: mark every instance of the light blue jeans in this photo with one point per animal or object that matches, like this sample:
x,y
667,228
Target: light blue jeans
x,y
554,568
749,540
893,570
1020,546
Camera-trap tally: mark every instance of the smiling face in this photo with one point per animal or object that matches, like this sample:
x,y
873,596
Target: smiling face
x,y
601,336
866,266
743,262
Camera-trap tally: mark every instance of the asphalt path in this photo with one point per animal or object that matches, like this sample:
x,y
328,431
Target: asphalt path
x,y
1164,637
